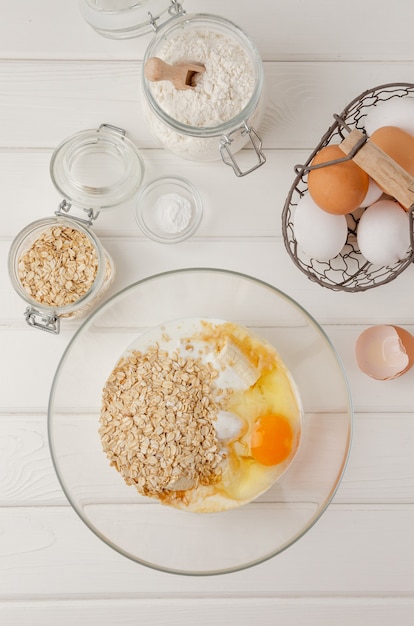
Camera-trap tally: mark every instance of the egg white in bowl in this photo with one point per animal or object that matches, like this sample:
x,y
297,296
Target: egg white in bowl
x,y
201,415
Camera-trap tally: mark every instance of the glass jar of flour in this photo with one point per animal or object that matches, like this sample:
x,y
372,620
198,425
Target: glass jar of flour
x,y
57,264
222,110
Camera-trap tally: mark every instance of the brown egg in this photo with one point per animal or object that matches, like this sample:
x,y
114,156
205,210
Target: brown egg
x,y
398,144
385,352
339,188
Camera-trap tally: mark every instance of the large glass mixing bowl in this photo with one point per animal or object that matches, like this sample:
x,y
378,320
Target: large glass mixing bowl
x,y
160,536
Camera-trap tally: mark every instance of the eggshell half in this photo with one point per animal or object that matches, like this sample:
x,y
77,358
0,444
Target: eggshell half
x,y
385,352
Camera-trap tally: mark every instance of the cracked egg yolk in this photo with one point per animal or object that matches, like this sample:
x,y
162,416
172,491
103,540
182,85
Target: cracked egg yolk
x,y
271,439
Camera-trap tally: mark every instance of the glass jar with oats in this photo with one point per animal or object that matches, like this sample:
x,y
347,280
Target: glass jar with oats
x,y
57,264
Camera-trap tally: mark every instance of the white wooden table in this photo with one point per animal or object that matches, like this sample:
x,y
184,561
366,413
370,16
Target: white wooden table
x,y
57,76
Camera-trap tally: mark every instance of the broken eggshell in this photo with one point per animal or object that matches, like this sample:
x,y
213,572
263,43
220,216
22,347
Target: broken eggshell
x,y
385,352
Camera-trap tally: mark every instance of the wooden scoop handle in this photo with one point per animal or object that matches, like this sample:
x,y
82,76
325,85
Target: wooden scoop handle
x,y
180,74
390,176
156,69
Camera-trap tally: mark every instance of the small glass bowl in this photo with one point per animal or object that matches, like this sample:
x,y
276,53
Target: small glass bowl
x,y
169,210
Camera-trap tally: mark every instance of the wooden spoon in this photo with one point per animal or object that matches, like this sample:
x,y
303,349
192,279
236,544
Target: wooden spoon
x,y
181,75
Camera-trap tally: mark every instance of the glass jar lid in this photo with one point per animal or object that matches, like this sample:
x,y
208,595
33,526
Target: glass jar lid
x,y
97,169
125,19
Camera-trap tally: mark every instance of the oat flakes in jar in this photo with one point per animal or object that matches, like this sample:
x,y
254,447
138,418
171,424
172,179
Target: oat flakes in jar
x,y
57,264
222,110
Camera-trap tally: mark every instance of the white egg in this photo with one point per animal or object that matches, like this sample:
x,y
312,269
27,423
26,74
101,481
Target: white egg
x,y
383,233
319,234
374,193
395,112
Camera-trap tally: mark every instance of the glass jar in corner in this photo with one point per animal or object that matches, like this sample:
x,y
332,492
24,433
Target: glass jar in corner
x,y
57,264
222,106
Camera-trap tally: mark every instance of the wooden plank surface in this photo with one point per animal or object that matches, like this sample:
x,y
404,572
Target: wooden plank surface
x,y
187,611
295,30
300,101
57,76
42,547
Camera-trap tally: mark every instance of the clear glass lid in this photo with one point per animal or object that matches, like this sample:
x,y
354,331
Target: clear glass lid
x,y
125,19
97,169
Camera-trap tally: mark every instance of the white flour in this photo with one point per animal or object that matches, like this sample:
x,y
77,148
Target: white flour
x,y
221,92
219,95
173,213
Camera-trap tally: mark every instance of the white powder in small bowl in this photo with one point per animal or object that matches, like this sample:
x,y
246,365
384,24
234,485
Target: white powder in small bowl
x,y
169,209
172,213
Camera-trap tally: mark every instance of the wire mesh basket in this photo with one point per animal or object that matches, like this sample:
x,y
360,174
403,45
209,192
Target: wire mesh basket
x,y
348,271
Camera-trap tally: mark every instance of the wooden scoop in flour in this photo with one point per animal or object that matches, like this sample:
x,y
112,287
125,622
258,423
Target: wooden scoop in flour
x,y
181,75
390,176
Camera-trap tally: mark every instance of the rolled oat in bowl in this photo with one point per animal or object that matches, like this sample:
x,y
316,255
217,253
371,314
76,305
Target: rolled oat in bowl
x,y
157,422
200,415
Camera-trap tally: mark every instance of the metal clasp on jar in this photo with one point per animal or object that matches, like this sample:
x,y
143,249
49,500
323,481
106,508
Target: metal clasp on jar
x,y
228,156
41,320
175,10
65,207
